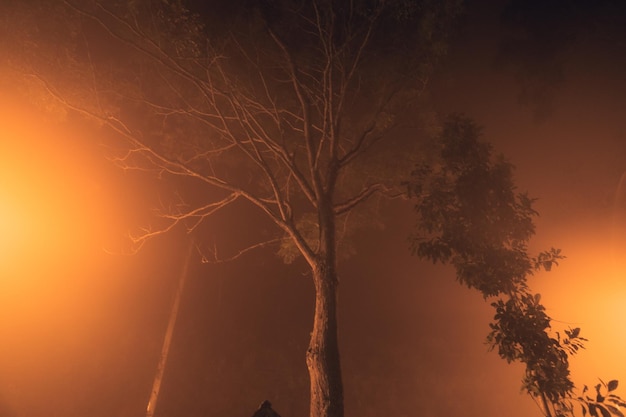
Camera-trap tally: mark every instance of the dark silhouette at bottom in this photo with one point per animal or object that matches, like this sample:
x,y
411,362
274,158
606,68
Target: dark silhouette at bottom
x,y
265,410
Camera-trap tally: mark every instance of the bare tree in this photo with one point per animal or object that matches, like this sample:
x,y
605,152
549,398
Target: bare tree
x,y
292,106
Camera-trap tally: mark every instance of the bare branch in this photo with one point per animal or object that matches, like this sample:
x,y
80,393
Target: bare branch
x,y
306,115
365,193
170,166
215,258
358,147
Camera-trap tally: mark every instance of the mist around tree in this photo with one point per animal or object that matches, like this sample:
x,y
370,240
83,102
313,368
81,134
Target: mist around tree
x,y
288,109
309,113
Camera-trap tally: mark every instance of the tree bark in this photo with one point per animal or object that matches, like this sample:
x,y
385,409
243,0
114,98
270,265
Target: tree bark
x,y
322,356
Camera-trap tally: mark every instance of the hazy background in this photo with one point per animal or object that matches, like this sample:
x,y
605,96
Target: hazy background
x,y
82,324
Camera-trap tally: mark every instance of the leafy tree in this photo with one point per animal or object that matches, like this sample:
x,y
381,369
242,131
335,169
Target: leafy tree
x,y
470,214
472,217
291,106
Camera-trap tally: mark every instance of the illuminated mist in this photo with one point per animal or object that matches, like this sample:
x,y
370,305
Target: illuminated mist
x,y
74,310
82,321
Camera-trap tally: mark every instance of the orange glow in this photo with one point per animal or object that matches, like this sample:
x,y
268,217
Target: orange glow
x,y
588,290
45,203
59,208
13,233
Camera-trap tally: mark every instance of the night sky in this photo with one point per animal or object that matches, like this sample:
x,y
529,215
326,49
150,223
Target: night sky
x,y
82,322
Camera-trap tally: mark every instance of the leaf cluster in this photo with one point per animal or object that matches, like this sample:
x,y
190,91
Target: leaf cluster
x,y
470,214
521,332
604,403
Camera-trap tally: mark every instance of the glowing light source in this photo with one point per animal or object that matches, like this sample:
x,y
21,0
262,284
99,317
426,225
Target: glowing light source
x,y
12,231
59,205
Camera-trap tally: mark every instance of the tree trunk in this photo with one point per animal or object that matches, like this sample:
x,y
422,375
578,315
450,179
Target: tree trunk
x,y
323,354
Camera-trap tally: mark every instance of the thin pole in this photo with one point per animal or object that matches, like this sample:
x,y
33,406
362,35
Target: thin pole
x,y
167,341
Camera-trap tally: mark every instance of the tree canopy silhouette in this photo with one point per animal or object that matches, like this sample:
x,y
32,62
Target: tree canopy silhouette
x,y
471,216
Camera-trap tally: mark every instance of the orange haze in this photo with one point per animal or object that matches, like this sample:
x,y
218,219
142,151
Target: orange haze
x,y
59,209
